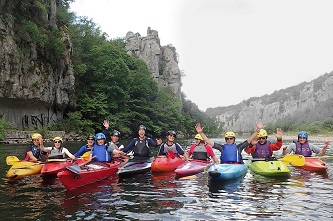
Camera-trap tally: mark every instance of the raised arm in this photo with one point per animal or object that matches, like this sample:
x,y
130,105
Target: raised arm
x,y
323,151
199,130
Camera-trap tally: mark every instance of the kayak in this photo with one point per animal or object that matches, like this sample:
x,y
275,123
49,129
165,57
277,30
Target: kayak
x,y
271,168
90,173
133,167
192,167
165,164
314,165
53,167
23,168
224,172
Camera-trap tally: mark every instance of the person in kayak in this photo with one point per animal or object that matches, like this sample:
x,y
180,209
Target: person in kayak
x,y
201,150
170,145
141,145
34,150
230,151
100,151
263,148
57,151
303,147
87,147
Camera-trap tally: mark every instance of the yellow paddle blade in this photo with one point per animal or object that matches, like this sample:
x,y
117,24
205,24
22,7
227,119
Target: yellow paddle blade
x,y
86,155
294,160
11,160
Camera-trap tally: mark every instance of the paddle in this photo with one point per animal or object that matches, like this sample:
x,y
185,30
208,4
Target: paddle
x,y
11,160
76,168
171,154
293,159
320,157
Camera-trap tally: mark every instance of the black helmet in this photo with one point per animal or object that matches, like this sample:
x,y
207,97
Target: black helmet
x,y
91,136
171,132
115,133
141,127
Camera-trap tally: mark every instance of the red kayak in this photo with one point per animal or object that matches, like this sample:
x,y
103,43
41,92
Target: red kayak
x,y
90,173
314,164
51,168
166,164
192,167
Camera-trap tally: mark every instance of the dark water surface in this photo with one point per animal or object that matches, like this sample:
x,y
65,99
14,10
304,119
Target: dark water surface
x,y
303,196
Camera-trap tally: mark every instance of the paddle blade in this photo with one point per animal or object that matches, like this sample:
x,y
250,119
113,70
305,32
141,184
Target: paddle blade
x,y
86,155
74,168
171,154
11,160
294,160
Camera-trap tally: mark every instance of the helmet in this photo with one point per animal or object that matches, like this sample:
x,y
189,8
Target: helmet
x,y
57,138
36,136
198,136
229,134
171,132
141,127
115,133
91,136
303,134
99,136
262,133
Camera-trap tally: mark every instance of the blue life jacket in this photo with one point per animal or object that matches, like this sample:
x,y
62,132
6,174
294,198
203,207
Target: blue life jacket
x,y
303,149
38,153
230,154
262,150
101,153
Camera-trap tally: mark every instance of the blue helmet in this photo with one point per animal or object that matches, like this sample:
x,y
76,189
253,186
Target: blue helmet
x,y
99,136
303,134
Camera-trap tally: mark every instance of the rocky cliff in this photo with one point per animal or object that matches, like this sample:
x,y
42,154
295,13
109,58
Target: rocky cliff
x,y
291,102
161,61
34,90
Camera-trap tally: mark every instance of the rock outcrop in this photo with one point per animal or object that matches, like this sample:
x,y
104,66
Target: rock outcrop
x,y
289,102
161,61
33,91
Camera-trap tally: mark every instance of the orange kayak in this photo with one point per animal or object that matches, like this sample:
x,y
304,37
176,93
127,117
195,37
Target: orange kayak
x,y
314,164
165,164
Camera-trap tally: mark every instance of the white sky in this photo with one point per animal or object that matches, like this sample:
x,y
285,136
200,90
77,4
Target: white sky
x,y
229,50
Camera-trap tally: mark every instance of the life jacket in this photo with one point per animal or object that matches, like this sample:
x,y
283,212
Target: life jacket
x,y
56,153
141,148
230,154
101,153
166,148
262,150
117,144
303,149
200,153
38,153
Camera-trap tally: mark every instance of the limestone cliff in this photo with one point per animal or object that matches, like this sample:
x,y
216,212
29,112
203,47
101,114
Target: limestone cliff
x,y
291,102
34,90
161,61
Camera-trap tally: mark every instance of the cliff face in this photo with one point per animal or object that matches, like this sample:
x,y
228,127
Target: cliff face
x,y
272,108
161,61
33,92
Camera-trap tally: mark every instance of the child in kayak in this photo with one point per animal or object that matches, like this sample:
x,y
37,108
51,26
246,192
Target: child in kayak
x,y
303,147
170,145
100,151
201,150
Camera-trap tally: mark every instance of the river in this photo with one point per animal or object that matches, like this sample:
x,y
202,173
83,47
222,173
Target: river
x,y
303,196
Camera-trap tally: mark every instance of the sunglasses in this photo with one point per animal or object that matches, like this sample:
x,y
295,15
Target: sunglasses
x,y
90,139
57,142
171,135
229,138
262,138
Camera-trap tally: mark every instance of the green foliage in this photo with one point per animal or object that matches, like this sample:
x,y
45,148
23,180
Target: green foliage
x,y
3,126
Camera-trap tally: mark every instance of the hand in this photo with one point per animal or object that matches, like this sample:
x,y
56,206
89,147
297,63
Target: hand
x,y
198,128
260,125
278,134
284,147
106,124
326,143
159,141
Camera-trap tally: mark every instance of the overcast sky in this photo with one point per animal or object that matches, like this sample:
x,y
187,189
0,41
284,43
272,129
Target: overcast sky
x,y
229,50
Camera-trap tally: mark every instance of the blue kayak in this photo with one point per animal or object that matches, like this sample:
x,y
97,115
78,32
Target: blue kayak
x,y
224,172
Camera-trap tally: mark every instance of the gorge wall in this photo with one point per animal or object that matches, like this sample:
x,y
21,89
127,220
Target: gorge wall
x,y
292,101
33,90
161,60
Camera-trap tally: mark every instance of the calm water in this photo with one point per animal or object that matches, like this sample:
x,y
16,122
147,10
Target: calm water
x,y
304,196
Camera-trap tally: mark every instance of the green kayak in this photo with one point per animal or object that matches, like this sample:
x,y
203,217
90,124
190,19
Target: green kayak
x,y
273,168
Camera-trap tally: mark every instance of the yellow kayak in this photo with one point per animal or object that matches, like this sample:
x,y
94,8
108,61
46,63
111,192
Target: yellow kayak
x,y
23,168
